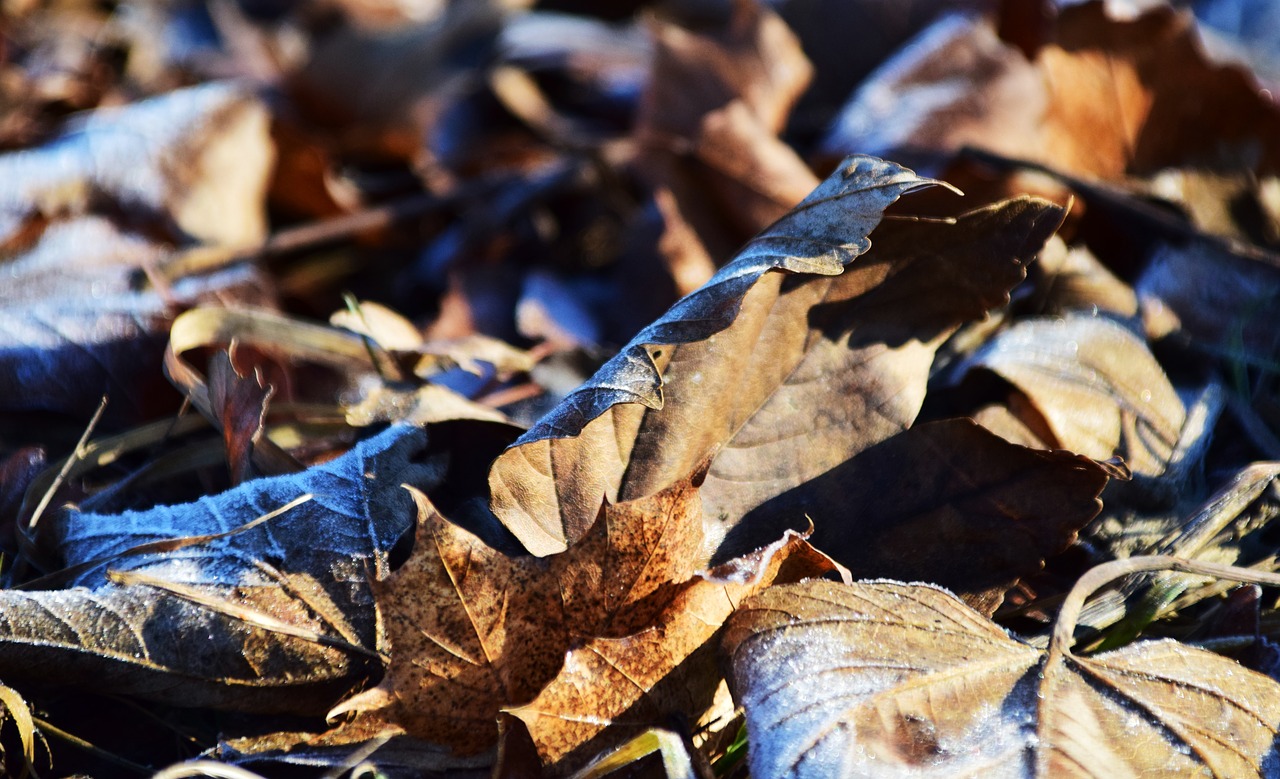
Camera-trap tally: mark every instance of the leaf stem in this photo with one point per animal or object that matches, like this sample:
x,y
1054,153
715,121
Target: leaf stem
x,y
1065,625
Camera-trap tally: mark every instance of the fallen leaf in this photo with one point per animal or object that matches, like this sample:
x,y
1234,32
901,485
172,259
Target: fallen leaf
x,y
1222,303
1095,383
529,500
273,576
754,57
85,218
1070,279
469,630
708,123
638,557
955,84
945,502
778,371
242,402
1138,95
889,679
1105,97
165,158
472,631
611,689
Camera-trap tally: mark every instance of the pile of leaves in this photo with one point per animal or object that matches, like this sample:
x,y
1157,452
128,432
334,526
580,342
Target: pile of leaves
x,y
537,389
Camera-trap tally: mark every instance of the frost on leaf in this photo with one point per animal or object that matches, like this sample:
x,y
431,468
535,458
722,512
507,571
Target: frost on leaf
x,y
889,679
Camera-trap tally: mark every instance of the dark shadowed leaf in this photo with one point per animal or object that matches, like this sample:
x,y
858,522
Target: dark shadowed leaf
x,y
280,600
946,502
241,402
1224,304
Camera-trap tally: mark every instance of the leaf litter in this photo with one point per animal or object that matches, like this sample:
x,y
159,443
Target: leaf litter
x,y
501,514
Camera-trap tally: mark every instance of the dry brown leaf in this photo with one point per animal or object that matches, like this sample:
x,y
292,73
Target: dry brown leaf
x,y
611,689
945,502
637,558
755,58
889,679
1097,386
469,631
241,399
1107,97
1072,279
1134,96
955,84
708,123
532,490
787,376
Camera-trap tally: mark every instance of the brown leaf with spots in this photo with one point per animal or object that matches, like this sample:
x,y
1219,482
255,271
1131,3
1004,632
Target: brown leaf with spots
x,y
611,689
469,630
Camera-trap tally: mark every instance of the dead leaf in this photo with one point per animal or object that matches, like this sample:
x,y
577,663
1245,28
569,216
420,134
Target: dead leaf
x,y
611,689
242,402
469,630
955,84
803,243
1072,279
889,679
945,502
1222,303
85,219
281,603
637,558
1095,383
1106,97
472,631
755,58
1134,96
773,369
167,158
708,123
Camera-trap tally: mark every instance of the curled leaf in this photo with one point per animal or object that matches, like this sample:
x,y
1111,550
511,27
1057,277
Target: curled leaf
x,y
590,434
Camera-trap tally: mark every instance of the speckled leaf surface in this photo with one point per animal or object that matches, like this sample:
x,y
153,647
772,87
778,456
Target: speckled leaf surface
x,y
787,374
889,679
135,615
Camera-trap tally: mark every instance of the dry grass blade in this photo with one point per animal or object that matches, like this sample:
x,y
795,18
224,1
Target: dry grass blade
x,y
16,706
